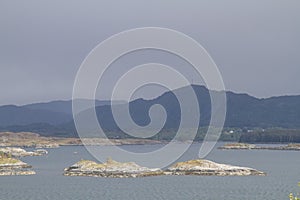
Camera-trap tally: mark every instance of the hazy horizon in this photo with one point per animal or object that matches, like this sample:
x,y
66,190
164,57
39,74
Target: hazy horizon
x,y
150,98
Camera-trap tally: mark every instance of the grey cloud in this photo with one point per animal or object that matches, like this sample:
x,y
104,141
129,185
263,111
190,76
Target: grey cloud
x,y
255,43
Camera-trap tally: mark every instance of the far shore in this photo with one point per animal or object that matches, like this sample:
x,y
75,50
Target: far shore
x,y
34,140
27,139
246,146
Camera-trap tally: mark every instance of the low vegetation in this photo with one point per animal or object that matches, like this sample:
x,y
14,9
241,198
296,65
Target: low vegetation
x,y
297,197
7,159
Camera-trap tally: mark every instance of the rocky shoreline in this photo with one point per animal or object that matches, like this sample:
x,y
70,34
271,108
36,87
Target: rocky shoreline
x,y
17,168
209,168
11,166
116,169
244,146
34,140
110,168
27,139
18,152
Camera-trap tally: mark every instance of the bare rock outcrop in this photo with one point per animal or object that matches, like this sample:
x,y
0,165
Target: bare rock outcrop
x,y
209,168
244,146
116,169
11,166
110,168
19,152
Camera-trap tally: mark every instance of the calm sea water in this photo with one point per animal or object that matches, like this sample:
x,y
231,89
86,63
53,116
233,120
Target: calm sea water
x,y
283,168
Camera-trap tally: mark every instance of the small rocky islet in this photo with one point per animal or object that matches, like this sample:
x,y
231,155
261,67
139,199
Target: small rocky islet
x,y
245,146
116,169
210,168
10,165
110,168
19,152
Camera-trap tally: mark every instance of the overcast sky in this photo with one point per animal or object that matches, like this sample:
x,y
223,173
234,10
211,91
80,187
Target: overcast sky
x,y
255,43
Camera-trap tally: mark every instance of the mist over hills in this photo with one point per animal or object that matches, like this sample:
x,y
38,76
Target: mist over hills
x,y
55,118
65,106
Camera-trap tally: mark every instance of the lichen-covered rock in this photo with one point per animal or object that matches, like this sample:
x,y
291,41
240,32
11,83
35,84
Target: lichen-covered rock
x,y
48,146
19,152
244,146
209,168
295,147
238,146
11,166
110,168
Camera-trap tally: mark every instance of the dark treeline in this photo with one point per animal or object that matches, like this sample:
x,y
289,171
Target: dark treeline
x,y
271,136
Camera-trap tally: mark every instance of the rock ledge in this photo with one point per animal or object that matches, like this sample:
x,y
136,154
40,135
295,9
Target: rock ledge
x,y
110,168
116,169
209,168
11,166
19,152
244,146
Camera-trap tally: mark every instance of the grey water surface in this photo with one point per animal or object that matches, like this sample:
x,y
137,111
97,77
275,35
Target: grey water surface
x,y
282,167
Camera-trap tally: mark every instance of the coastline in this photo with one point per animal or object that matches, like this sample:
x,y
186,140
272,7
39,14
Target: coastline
x,y
34,140
246,146
11,166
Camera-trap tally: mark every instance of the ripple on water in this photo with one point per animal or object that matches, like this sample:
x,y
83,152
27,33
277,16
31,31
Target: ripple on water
x,y
281,166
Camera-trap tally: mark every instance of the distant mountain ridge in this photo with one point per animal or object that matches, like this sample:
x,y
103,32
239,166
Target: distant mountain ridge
x,y
66,106
52,113
243,110
21,115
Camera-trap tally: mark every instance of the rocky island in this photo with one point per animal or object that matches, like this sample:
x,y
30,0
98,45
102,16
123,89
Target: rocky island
x,y
238,146
116,169
12,166
110,168
209,168
244,146
18,152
